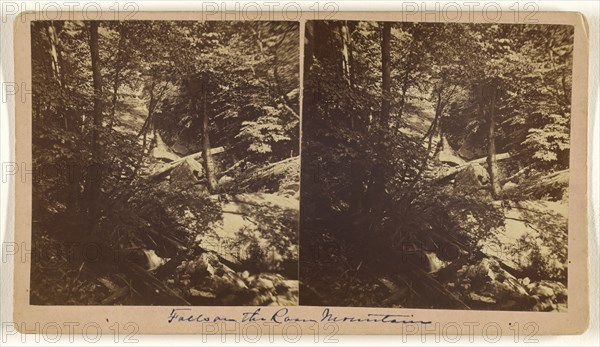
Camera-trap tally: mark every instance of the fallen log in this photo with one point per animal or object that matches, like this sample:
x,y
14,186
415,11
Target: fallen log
x,y
195,156
232,168
457,169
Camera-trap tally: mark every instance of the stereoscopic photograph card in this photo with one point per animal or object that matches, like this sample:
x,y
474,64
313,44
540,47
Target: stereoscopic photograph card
x,y
369,173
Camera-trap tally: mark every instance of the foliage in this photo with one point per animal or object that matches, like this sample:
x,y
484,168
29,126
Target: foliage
x,y
194,86
272,244
377,183
169,210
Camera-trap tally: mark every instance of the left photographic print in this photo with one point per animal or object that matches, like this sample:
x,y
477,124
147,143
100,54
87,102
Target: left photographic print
x,y
165,163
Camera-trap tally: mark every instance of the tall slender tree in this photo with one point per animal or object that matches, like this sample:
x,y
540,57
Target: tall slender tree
x,y
209,163
94,177
385,74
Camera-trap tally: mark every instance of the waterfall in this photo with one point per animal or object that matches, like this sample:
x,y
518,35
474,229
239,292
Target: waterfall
x,y
435,263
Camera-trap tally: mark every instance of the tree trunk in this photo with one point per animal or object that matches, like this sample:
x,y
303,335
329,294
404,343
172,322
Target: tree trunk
x,y
73,174
309,49
431,133
53,39
376,190
55,65
94,179
345,38
385,73
357,170
351,68
279,93
492,164
405,86
148,122
209,165
119,65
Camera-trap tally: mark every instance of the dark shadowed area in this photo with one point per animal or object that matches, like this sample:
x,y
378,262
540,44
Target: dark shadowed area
x,y
166,163
435,165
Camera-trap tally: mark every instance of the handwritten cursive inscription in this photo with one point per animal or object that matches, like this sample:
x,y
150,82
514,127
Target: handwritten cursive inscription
x,y
283,315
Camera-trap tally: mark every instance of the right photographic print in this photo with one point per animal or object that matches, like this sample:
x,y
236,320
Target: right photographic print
x,y
435,165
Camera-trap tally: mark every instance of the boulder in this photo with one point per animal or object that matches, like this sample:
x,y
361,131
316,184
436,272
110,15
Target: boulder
x,y
488,285
225,180
203,294
274,290
473,176
208,280
544,306
543,291
187,174
481,273
264,283
549,289
509,185
481,298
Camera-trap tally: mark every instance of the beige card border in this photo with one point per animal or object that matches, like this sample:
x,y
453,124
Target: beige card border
x,y
153,319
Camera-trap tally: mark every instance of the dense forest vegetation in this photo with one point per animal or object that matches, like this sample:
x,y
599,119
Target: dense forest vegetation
x,y
166,166
435,165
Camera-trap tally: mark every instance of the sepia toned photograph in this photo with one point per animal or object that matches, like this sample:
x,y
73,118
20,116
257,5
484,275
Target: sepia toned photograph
x,y
309,174
166,163
435,165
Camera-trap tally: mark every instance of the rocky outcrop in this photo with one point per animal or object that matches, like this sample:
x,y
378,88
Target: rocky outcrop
x,y
188,173
486,285
207,281
474,176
